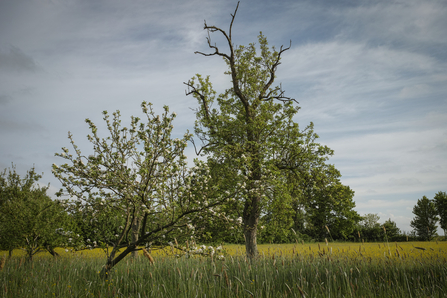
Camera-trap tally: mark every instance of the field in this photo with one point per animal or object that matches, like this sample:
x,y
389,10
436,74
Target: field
x,y
410,269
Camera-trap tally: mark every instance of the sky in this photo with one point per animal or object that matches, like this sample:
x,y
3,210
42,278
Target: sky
x,y
370,75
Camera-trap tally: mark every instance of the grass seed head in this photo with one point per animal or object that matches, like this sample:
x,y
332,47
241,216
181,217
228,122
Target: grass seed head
x,y
147,255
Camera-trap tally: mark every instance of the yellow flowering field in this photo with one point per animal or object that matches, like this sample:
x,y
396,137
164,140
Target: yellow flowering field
x,y
377,250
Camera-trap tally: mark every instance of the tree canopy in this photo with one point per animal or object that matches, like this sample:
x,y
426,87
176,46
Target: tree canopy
x,y
29,219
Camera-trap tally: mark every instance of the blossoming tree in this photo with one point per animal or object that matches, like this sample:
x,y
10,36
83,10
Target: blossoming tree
x,y
140,176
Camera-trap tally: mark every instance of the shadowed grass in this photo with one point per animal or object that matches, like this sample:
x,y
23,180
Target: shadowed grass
x,y
351,270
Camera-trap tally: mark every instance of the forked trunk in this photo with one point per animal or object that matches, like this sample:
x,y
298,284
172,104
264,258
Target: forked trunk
x,y
112,261
50,249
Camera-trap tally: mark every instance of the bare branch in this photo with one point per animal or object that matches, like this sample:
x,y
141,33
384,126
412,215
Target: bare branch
x,y
232,18
230,57
272,75
279,97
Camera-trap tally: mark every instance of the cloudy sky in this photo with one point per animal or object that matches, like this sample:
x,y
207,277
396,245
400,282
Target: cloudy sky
x,y
371,75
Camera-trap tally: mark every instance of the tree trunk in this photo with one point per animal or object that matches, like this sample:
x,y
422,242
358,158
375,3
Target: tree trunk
x,y
251,218
251,246
112,261
135,232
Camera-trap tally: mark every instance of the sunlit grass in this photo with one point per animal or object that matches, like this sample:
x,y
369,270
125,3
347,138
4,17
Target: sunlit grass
x,y
399,250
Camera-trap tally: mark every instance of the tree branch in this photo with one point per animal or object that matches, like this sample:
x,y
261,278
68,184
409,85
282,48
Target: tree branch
x,y
201,96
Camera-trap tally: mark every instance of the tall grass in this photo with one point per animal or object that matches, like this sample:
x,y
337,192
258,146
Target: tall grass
x,y
317,270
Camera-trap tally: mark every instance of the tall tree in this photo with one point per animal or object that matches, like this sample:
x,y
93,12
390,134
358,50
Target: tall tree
x,y
140,173
29,219
440,200
252,132
425,218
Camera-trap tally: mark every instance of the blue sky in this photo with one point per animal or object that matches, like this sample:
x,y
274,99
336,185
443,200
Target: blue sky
x,y
371,75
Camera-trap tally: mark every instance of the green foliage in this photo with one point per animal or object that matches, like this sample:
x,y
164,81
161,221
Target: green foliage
x,y
370,228
29,219
392,231
425,219
329,206
440,201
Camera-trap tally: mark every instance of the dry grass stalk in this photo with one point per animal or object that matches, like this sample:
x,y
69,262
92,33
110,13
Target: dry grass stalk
x,y
147,255
226,278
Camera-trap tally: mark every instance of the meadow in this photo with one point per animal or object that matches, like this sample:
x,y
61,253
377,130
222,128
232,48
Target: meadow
x,y
404,269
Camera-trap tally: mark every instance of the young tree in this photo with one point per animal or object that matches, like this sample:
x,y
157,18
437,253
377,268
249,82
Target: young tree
x,y
440,200
29,219
141,176
252,132
425,218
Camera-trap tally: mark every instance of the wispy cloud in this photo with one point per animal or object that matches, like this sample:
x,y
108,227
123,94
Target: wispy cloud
x,y
15,60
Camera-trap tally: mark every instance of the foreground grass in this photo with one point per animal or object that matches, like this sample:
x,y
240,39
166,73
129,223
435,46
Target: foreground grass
x,y
346,270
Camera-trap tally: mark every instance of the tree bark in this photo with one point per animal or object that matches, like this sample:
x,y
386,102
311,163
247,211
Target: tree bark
x,y
251,246
251,219
135,232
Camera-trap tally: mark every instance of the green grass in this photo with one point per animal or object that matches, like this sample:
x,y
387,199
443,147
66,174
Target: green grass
x,y
304,273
